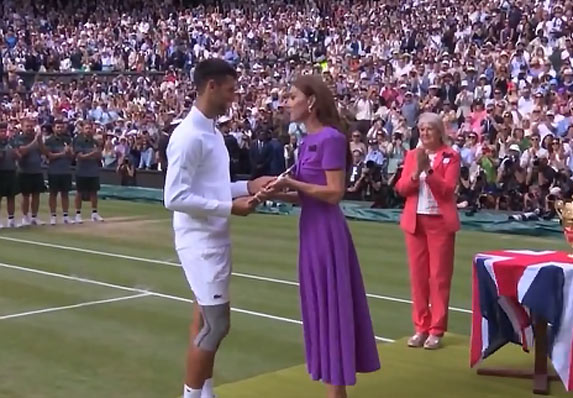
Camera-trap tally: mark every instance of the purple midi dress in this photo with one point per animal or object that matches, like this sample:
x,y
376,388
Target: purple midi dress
x,y
338,333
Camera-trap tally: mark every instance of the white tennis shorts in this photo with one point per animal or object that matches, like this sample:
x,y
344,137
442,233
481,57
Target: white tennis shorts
x,y
208,272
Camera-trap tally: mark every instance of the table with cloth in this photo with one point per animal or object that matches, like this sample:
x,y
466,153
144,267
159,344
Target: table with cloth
x,y
522,297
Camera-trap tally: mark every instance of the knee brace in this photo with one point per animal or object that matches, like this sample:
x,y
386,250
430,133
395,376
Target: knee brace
x,y
216,324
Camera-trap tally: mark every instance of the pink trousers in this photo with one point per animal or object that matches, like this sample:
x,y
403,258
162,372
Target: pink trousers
x,y
431,260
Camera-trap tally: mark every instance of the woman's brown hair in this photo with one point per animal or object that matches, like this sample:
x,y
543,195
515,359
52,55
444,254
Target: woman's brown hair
x,y
325,105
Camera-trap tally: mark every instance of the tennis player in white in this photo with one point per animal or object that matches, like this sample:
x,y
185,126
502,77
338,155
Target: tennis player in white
x,y
199,192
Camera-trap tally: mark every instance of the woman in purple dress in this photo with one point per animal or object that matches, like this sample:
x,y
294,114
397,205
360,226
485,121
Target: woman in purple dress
x,y
338,332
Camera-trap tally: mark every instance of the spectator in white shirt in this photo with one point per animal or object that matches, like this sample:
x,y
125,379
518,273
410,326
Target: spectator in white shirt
x,y
364,111
529,157
525,104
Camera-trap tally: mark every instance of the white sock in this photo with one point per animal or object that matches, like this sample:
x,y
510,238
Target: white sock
x,y
189,392
207,391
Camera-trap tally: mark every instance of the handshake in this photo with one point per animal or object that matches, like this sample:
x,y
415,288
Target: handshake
x,y
264,188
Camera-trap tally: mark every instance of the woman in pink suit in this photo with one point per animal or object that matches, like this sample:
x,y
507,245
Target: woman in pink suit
x,y
430,221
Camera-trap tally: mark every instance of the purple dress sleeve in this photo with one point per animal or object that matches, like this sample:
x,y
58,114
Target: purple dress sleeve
x,y
334,150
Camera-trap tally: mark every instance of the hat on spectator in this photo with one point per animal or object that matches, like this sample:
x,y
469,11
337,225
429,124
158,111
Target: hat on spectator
x,y
464,83
224,119
515,147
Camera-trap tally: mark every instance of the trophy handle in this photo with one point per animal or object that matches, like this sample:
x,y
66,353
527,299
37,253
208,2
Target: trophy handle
x,y
559,205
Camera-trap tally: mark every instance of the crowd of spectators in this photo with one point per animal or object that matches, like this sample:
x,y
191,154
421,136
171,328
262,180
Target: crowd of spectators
x,y
500,72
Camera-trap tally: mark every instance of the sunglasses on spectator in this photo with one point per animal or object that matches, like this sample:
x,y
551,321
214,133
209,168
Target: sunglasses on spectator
x,y
535,139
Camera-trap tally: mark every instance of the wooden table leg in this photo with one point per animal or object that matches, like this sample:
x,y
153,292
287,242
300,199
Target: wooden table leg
x,y
540,379
540,374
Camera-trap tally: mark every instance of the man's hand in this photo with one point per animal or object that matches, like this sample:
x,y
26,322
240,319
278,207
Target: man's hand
x,y
243,206
259,184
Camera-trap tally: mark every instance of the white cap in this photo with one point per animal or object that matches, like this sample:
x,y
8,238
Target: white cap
x,y
515,147
464,83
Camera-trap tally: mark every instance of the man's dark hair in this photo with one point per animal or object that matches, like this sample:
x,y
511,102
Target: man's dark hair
x,y
212,69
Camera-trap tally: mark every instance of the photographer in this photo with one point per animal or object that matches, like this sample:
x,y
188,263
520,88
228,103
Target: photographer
x,y
373,185
464,190
126,172
511,180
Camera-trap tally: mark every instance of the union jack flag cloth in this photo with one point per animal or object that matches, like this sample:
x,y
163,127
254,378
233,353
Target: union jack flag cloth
x,y
508,286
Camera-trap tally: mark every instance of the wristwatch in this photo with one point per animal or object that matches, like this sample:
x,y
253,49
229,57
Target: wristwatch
x,y
430,172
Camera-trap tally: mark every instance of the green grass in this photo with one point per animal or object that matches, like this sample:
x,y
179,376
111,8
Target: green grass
x,y
135,348
405,373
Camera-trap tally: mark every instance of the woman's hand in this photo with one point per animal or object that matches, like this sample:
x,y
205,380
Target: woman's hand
x,y
423,161
279,184
271,189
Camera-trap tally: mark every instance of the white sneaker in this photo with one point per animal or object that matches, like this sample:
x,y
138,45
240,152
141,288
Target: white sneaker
x,y
53,220
37,222
97,218
1,226
26,221
68,220
12,223
79,219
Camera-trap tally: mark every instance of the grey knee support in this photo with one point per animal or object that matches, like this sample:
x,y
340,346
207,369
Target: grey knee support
x,y
216,323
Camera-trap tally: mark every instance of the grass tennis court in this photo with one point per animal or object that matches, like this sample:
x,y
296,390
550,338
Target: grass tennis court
x,y
103,310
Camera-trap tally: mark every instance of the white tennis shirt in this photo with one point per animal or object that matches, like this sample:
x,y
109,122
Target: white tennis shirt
x,y
198,186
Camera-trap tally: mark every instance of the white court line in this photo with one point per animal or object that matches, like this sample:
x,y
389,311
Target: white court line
x,y
156,294
69,307
171,264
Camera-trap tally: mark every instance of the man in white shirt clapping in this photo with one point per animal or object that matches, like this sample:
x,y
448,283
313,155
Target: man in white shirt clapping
x,y
199,191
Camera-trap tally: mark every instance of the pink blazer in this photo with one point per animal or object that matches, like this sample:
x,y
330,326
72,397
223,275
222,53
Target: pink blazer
x,y
442,183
